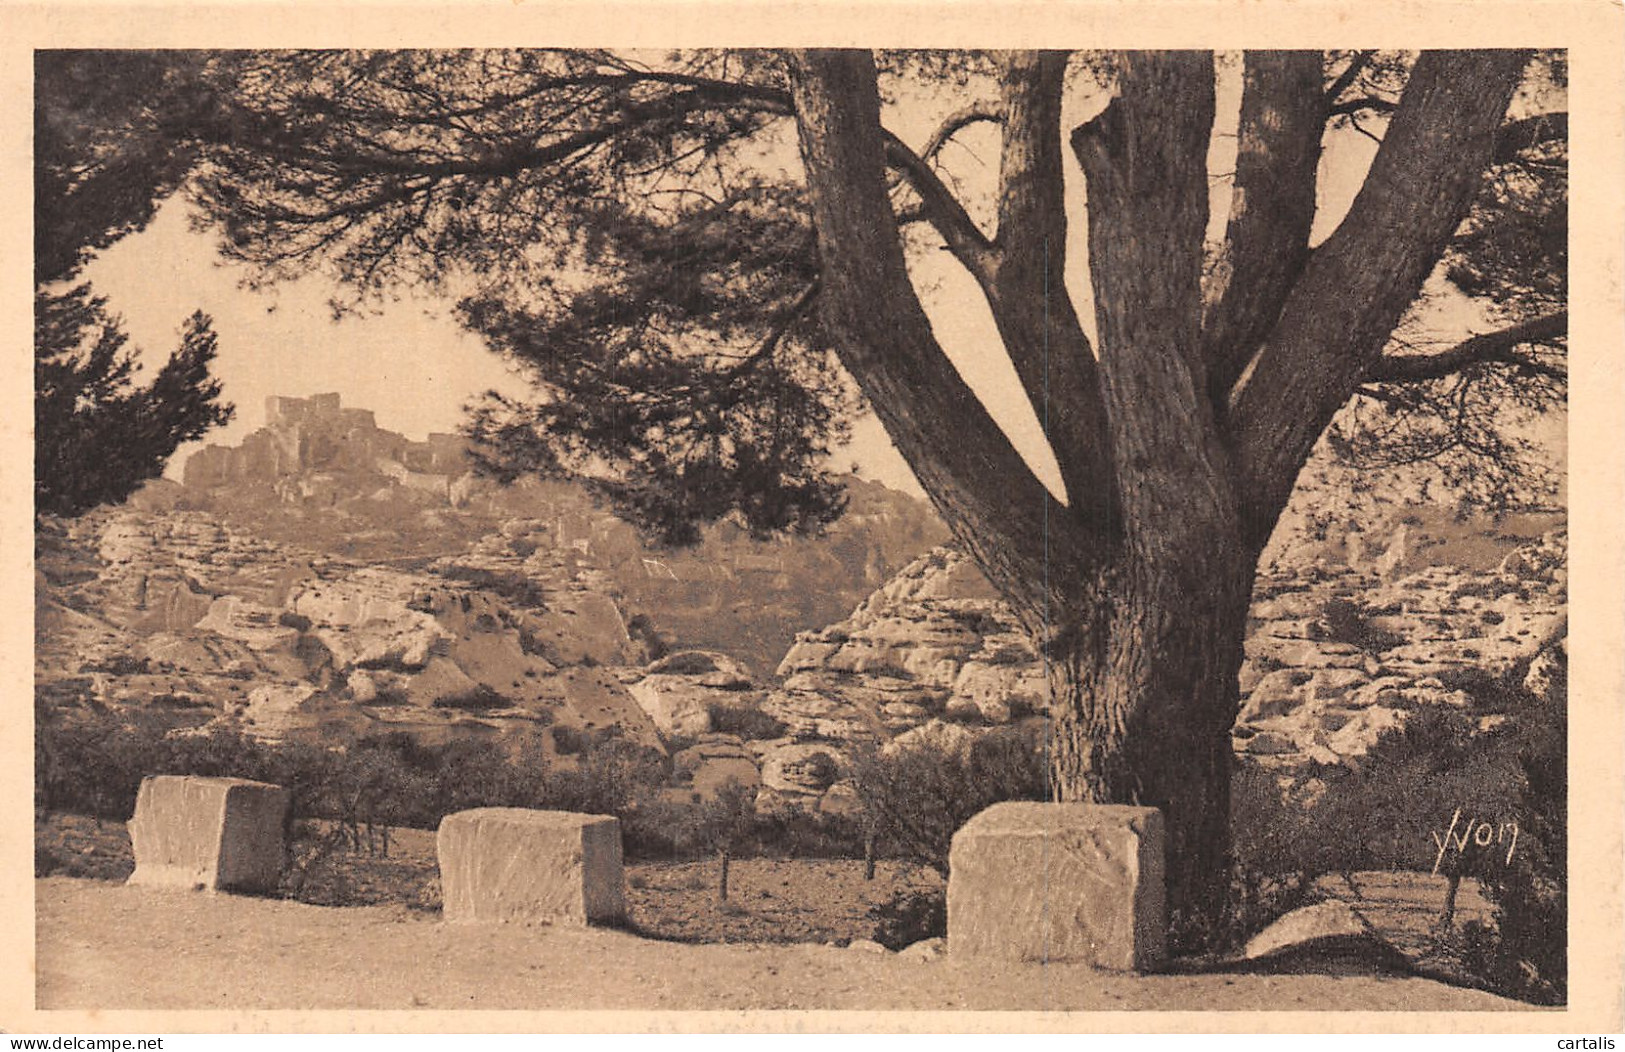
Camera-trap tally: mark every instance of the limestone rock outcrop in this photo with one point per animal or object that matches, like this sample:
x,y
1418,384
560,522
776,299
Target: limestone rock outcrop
x,y
680,691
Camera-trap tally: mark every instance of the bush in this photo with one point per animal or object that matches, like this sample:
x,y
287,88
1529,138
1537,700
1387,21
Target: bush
x,y
798,833
1388,814
1526,953
479,699
95,767
1344,621
915,798
569,741
517,588
910,915
747,721
297,622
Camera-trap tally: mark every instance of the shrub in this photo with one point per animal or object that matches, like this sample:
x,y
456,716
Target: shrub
x,y
1390,814
514,587
799,833
480,698
1525,954
641,628
297,622
685,663
568,740
1344,621
915,798
910,915
746,721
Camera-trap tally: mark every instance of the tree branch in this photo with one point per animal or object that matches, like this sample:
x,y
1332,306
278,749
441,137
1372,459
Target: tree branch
x,y
1359,282
956,122
942,210
1358,62
1145,158
1031,306
782,323
1272,208
1486,347
985,492
1364,104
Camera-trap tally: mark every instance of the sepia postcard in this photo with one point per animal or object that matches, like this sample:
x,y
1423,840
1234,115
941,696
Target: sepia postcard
x,y
871,517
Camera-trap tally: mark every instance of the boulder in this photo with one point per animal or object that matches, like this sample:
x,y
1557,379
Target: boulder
x,y
924,951
1326,936
939,735
440,683
513,864
803,769
274,708
1059,882
805,654
996,690
714,762
208,833
257,627
676,704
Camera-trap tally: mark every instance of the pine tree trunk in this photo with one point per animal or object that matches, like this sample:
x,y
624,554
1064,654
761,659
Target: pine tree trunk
x,y
1145,698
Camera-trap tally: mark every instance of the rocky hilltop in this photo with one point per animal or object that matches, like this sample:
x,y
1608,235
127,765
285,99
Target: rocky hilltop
x,y
329,579
323,476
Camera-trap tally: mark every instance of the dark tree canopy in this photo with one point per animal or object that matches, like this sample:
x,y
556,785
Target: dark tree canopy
x,y
110,143
97,436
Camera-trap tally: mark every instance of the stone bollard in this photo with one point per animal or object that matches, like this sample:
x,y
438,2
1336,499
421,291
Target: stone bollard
x,y
1059,883
513,864
208,833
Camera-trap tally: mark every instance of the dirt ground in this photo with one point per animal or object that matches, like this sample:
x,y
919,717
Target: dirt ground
x,y
102,945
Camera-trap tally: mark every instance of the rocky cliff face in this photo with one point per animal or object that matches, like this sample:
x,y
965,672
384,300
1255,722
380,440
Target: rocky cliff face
x,y
1336,654
325,477
179,613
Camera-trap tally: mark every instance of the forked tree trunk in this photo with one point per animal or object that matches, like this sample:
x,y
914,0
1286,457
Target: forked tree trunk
x,y
1175,467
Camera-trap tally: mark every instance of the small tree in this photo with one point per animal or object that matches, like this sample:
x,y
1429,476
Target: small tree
x,y
723,824
107,150
916,797
98,436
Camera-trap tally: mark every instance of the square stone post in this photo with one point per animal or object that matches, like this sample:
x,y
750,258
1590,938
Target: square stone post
x,y
1060,882
209,833
514,864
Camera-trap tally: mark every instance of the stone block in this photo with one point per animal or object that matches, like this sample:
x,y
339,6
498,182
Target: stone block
x,y
1076,883
209,833
514,864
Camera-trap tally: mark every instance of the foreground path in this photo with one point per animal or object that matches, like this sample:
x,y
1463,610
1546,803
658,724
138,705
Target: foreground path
x,y
109,946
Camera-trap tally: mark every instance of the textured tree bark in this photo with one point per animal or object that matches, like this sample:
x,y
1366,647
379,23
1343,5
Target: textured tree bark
x,y
1143,702
1356,285
1272,208
1026,290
